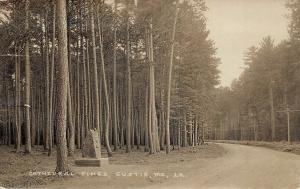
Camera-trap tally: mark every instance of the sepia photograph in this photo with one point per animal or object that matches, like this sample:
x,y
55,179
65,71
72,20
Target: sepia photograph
x,y
150,94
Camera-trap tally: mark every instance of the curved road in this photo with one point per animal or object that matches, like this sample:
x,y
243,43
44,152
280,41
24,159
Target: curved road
x,y
242,167
246,167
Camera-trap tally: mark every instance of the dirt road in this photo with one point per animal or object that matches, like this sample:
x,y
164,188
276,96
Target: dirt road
x,y
241,167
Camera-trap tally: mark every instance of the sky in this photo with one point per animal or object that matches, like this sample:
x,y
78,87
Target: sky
x,y
236,25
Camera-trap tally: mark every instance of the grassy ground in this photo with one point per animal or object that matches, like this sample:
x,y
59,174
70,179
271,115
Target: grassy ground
x,y
15,168
280,146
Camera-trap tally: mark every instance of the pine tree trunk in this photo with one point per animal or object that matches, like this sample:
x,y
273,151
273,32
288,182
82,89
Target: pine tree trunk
x,y
16,129
150,93
95,75
146,122
196,130
27,82
179,134
129,98
8,110
170,82
184,131
6,106
39,108
138,128
122,142
132,125
85,91
86,101
88,76
52,83
77,76
33,113
103,74
162,121
62,78
71,145
272,112
153,131
47,95
190,128
115,82
70,117
17,100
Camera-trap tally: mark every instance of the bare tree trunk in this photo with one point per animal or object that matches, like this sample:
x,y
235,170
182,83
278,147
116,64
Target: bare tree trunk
x,y
70,117
150,135
184,131
88,76
179,134
162,121
6,98
47,97
95,75
196,131
115,82
170,81
62,77
153,131
190,128
132,123
272,111
86,97
138,128
121,110
39,108
129,98
146,122
7,95
33,113
85,92
150,93
78,94
71,148
105,90
17,100
77,76
52,82
27,83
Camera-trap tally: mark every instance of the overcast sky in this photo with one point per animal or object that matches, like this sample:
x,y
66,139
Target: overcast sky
x,y
236,25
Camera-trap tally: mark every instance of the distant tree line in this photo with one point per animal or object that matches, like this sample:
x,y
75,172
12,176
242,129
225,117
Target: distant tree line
x,y
257,104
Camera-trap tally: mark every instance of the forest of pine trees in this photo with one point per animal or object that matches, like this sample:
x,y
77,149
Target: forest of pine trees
x,y
263,104
143,73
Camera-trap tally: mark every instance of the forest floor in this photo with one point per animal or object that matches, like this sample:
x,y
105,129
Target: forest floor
x,y
279,146
139,168
242,166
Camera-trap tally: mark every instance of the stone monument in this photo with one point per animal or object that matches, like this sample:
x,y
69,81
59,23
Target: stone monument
x,y
91,151
91,146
